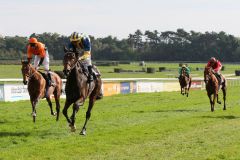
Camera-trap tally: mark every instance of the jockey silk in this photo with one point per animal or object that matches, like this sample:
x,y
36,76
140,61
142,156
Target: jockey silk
x,y
38,50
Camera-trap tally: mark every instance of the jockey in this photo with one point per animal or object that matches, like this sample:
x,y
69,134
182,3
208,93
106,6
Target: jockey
x,y
81,42
187,69
41,57
216,66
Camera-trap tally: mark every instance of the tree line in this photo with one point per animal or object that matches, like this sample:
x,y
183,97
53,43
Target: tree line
x,y
178,45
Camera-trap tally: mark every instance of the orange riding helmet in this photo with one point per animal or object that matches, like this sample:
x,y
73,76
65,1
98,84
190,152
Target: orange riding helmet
x,y
33,40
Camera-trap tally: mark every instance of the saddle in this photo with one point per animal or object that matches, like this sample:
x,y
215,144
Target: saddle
x,y
219,78
95,71
46,78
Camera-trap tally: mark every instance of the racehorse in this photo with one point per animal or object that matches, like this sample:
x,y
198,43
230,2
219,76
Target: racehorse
x,y
212,87
78,89
38,88
185,82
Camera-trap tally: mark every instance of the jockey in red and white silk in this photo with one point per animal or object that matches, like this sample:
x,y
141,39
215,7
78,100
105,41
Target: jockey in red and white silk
x,y
215,64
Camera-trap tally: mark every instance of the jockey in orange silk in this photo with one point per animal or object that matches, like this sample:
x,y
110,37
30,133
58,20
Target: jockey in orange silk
x,y
41,56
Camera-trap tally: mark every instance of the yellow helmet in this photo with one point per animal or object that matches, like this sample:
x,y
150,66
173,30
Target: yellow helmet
x,y
75,36
183,66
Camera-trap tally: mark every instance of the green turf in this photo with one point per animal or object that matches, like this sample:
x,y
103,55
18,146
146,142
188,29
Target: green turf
x,y
154,126
14,71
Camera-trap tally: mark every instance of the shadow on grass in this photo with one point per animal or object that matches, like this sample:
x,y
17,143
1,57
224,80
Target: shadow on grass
x,y
18,134
220,117
176,110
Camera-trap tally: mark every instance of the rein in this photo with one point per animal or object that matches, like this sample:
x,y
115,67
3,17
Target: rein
x,y
209,76
75,63
31,73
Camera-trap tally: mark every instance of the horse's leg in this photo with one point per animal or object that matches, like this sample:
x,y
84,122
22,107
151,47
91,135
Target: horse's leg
x,y
92,100
66,106
57,107
219,102
57,99
189,86
34,113
211,102
224,96
50,105
73,116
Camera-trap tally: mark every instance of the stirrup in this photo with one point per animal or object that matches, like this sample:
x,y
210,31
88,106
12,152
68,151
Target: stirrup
x,y
90,79
53,84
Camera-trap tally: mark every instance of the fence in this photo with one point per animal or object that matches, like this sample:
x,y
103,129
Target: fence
x,y
13,89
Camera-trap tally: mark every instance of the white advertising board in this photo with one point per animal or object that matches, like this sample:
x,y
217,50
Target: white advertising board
x,y
14,92
149,87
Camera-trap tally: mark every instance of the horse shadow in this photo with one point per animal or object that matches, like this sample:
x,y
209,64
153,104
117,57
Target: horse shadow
x,y
2,122
14,134
221,117
175,110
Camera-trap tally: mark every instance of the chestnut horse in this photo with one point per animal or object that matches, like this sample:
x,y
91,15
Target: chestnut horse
x,y
78,90
185,82
212,87
37,88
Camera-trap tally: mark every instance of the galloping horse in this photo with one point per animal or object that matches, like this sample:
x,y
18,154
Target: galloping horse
x,y
185,82
37,88
78,90
212,87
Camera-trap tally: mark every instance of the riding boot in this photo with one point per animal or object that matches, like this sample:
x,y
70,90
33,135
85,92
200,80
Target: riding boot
x,y
219,80
90,74
50,82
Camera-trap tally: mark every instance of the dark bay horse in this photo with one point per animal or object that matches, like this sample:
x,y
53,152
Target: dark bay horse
x,y
212,87
185,82
37,88
78,90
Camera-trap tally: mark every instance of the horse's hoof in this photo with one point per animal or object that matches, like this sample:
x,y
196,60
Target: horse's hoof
x,y
73,128
219,102
54,114
34,114
83,132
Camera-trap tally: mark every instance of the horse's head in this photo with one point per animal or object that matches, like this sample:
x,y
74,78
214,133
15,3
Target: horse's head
x,y
69,61
26,71
207,74
183,71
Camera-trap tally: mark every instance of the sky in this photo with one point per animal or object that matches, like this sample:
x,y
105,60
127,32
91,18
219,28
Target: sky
x,y
118,18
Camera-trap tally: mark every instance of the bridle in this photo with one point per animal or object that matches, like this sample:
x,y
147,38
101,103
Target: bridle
x,y
207,75
71,65
29,73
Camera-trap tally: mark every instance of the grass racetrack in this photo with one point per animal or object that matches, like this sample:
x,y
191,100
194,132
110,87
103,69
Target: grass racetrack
x,y
156,126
